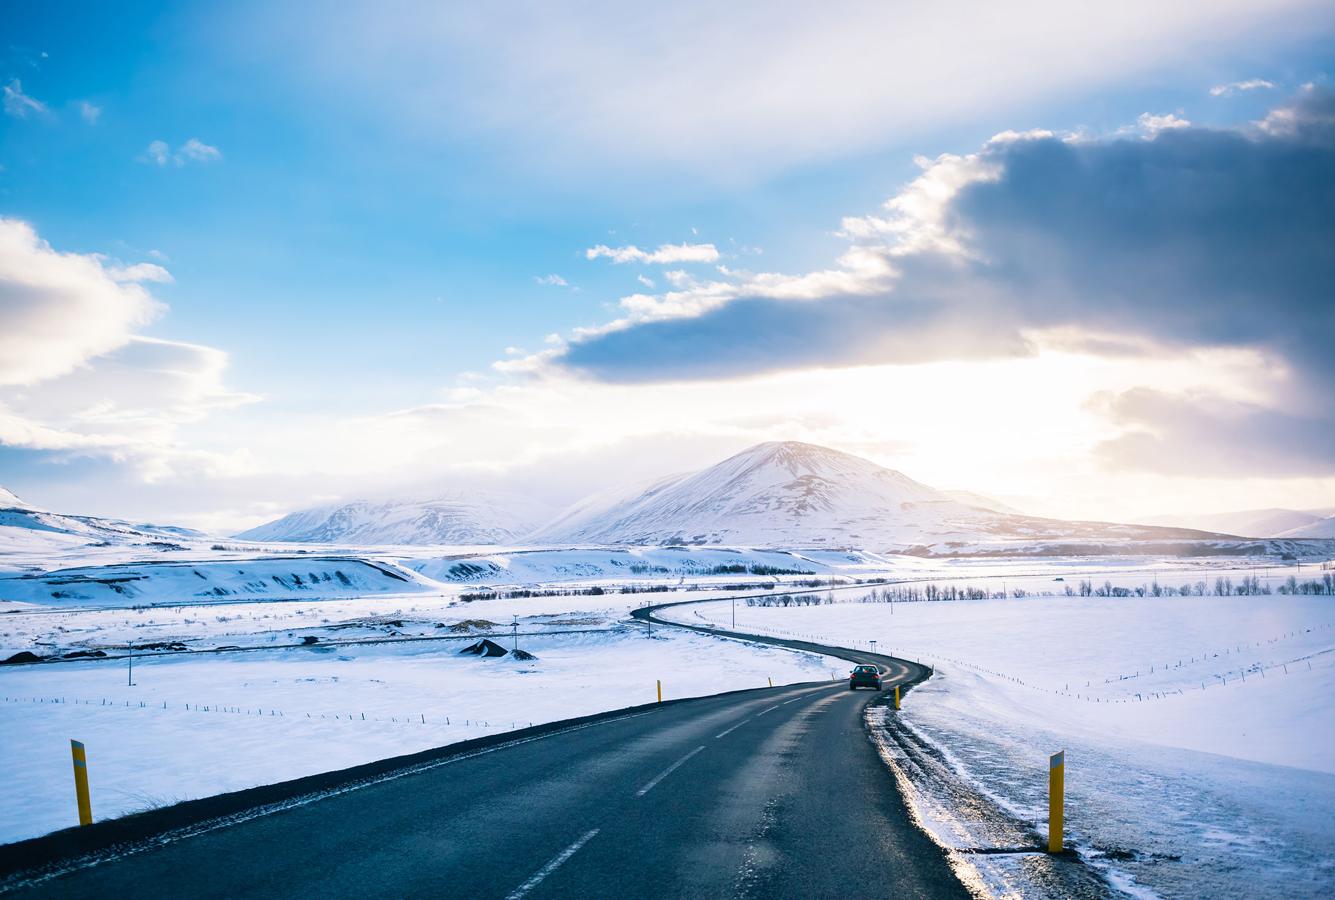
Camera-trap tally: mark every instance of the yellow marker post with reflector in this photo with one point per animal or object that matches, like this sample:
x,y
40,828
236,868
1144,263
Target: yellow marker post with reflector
x,y
1056,800
896,696
660,690
81,782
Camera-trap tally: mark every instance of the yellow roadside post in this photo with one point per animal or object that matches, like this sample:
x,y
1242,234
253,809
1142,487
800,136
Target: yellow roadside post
x,y
896,696
81,782
660,690
770,680
1056,800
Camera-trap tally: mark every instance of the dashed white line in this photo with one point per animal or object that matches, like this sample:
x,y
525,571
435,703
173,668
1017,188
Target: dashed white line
x,y
771,709
666,772
728,731
552,865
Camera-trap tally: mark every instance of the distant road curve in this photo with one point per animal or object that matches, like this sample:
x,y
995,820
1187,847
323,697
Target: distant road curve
x,y
757,793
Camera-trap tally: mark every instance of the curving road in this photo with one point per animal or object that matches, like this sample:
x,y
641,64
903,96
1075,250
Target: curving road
x,y
762,793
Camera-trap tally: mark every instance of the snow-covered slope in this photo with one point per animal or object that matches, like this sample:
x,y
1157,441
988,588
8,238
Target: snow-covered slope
x,y
22,522
1248,523
799,495
294,577
982,501
1321,528
454,519
10,500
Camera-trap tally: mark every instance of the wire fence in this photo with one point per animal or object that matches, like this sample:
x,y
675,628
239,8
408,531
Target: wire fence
x,y
268,712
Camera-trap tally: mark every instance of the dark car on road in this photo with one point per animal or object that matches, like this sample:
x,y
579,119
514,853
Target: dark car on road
x,y
864,676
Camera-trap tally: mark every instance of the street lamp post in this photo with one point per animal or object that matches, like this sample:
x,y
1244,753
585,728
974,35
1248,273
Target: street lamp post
x,y
873,646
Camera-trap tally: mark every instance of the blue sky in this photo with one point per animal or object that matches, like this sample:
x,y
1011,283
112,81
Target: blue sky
x,y
357,232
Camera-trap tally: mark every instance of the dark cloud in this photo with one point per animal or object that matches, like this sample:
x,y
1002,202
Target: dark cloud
x,y
1201,434
1196,238
754,334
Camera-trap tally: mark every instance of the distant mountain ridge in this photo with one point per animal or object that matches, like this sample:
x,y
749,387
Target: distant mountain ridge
x,y
16,513
1258,523
1321,528
777,495
460,518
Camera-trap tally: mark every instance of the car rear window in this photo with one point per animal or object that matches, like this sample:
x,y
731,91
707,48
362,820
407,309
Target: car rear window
x,y
863,670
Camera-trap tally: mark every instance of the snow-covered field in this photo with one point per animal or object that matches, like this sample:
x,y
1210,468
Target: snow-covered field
x,y
1200,731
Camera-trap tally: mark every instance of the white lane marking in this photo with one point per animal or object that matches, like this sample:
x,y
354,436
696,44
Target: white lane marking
x,y
729,731
666,772
552,866
805,695
771,709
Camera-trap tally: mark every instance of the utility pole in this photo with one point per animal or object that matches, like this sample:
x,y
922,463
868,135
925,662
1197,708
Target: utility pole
x,y
129,677
873,646
734,613
514,630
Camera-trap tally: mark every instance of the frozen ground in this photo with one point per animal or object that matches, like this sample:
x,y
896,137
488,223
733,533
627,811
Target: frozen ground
x,y
1200,731
211,723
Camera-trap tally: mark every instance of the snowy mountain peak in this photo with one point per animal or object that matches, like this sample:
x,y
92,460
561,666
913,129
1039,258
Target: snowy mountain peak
x,y
799,458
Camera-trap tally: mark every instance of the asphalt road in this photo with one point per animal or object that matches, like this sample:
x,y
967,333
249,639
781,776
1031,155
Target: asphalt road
x,y
771,793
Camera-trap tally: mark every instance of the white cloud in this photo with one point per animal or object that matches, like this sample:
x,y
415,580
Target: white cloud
x,y
1152,124
75,378
141,272
552,280
159,153
20,105
198,151
645,280
90,112
1233,87
58,310
665,254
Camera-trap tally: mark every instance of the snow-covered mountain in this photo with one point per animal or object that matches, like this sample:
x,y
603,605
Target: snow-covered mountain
x,y
1321,528
460,518
790,494
25,520
1257,523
